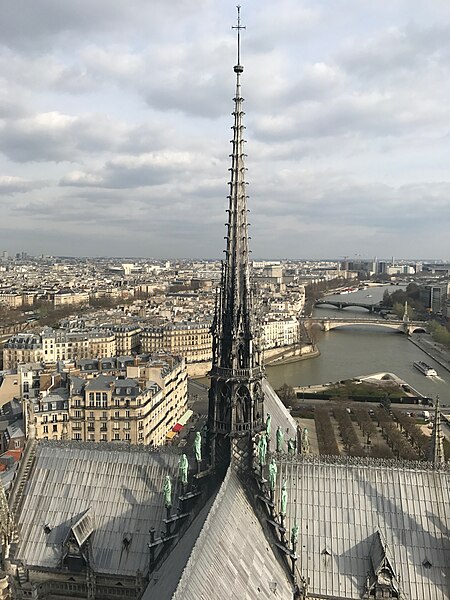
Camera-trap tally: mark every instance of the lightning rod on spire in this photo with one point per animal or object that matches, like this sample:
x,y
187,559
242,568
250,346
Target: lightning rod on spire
x,y
238,68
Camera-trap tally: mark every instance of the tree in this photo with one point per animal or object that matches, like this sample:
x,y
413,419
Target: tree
x,y
387,300
286,393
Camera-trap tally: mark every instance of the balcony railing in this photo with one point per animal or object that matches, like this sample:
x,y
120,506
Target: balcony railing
x,y
236,373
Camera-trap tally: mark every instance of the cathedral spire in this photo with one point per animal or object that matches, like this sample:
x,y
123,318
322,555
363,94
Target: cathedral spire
x,y
436,449
236,399
235,329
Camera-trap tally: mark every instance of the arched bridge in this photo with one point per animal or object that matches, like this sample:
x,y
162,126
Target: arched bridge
x,y
407,327
340,304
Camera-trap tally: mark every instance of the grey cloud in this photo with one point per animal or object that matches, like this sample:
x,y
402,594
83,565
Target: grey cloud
x,y
36,24
58,137
397,51
10,185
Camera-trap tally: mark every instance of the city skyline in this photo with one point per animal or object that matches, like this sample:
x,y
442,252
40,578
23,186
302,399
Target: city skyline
x,y
114,120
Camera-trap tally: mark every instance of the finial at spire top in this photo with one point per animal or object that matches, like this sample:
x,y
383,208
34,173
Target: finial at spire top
x,y
238,68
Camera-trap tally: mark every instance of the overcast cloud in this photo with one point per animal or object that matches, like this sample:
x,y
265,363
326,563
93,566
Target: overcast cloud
x,y
115,126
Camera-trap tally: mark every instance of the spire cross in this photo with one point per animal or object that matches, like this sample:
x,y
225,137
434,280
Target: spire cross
x,y
238,27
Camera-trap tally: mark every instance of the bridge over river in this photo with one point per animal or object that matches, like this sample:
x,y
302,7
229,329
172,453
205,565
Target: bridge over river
x,y
406,326
341,304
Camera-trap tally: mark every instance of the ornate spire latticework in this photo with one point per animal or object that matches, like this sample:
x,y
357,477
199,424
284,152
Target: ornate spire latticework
x,y
236,399
436,449
6,525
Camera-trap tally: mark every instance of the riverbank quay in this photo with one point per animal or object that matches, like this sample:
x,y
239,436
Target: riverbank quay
x,y
289,354
404,393
435,351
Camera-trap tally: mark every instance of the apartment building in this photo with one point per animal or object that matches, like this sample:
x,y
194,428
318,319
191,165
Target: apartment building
x,y
22,348
140,407
53,345
191,340
49,414
278,331
68,297
102,343
128,338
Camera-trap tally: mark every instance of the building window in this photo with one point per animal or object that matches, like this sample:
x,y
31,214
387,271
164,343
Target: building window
x,y
127,414
45,429
116,414
116,436
77,436
116,425
127,437
55,428
104,438
54,418
78,414
91,414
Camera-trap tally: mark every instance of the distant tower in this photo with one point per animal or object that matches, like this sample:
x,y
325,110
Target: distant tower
x,y
436,449
405,313
236,400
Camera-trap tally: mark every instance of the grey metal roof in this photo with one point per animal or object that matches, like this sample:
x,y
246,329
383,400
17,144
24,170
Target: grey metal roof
x,y
340,506
279,414
164,580
120,486
232,558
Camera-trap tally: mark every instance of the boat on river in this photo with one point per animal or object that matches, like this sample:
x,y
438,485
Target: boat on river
x,y
425,369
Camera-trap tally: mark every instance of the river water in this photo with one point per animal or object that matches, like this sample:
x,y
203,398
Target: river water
x,y
357,350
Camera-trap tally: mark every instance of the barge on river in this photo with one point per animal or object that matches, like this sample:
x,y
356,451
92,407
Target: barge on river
x,y
425,369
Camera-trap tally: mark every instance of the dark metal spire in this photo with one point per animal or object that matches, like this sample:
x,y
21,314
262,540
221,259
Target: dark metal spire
x,y
234,323
436,449
236,400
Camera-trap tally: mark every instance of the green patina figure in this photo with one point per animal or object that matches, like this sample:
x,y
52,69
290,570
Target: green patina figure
x,y
183,467
284,499
262,449
280,439
167,492
268,424
198,446
272,474
294,534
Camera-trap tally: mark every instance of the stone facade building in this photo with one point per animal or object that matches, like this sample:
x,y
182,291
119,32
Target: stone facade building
x,y
191,340
140,407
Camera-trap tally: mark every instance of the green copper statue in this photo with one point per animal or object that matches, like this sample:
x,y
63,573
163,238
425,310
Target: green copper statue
x,y
283,499
268,424
294,534
183,467
198,446
262,449
167,492
280,439
272,474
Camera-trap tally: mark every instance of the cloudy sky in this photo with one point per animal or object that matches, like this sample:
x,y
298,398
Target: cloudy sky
x,y
115,126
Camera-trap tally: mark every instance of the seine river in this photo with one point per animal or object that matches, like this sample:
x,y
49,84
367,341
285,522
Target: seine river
x,y
361,350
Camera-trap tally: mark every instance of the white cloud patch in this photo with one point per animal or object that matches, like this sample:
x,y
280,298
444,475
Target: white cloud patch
x,y
115,120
